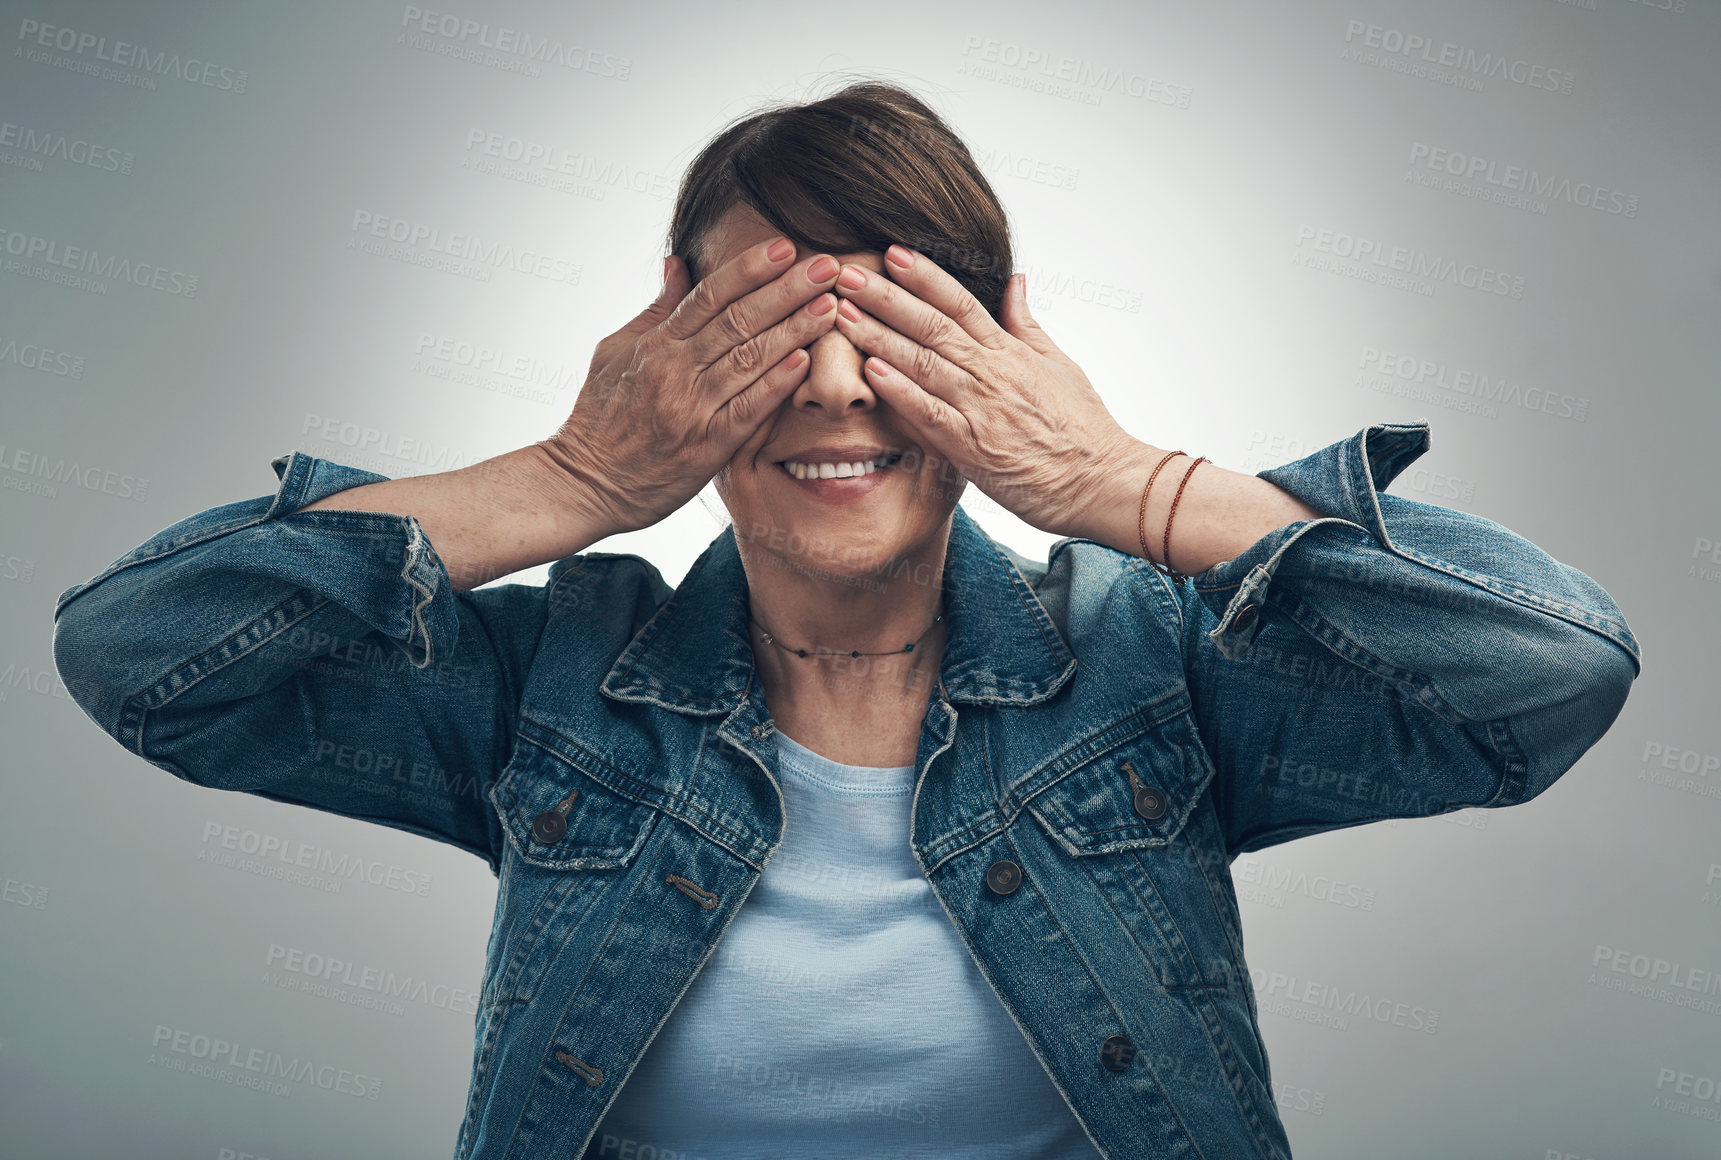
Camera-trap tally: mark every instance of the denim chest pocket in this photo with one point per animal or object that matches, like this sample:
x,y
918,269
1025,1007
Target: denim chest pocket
x,y
559,817
1137,794
571,842
1139,828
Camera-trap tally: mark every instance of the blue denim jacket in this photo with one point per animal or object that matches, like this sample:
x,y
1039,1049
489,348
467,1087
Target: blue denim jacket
x,y
603,743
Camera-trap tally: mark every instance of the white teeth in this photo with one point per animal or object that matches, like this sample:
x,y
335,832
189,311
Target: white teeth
x,y
838,470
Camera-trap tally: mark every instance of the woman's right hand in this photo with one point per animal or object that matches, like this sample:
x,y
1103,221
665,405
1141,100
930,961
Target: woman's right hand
x,y
671,395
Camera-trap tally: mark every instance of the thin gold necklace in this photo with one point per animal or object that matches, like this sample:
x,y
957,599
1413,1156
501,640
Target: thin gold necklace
x,y
801,652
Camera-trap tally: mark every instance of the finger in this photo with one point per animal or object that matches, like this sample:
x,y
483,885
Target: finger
x,y
742,364
748,270
928,369
936,423
751,315
899,308
740,275
740,417
676,282
1019,322
930,284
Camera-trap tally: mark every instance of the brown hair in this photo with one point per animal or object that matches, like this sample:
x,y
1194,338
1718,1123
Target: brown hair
x,y
869,165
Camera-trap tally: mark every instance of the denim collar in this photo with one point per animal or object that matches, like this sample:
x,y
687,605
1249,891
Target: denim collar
x,y
693,655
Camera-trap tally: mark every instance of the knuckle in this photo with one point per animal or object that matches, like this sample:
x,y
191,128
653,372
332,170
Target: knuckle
x,y
653,367
741,408
732,329
747,357
941,330
649,352
705,298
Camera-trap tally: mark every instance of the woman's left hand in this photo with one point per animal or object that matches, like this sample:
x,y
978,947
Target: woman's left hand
x,y
1002,404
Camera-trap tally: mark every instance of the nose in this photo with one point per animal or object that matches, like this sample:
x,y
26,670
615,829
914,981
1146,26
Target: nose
x,y
835,383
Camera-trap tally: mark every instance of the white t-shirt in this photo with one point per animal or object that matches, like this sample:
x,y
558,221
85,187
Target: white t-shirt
x,y
840,1016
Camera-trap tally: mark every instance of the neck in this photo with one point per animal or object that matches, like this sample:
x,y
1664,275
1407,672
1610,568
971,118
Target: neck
x,y
804,605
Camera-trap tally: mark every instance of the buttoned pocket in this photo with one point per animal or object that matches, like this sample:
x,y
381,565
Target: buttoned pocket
x,y
571,843
559,816
1139,828
1136,794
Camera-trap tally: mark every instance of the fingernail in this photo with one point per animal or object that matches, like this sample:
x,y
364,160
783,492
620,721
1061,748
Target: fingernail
x,y
852,278
849,310
878,368
821,270
666,269
899,256
820,305
780,249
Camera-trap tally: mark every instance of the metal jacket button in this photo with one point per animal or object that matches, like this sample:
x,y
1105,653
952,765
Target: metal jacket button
x,y
1003,877
1150,802
549,826
1244,619
1117,1053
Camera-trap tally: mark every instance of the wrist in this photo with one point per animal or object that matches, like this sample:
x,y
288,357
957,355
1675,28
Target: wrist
x,y
1110,513
564,477
1220,513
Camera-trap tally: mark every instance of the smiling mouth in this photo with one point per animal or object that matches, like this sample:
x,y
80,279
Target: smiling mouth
x,y
851,470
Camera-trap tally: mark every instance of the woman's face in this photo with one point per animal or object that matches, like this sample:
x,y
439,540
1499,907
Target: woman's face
x,y
847,526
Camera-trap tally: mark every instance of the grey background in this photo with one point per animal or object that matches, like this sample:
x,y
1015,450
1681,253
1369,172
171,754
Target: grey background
x,y
1162,243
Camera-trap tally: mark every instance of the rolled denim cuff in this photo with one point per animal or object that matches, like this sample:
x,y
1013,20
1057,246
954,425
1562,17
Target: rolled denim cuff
x,y
331,553
416,610
1342,481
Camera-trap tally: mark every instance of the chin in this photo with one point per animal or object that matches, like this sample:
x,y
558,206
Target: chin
x,y
863,549
845,545
855,531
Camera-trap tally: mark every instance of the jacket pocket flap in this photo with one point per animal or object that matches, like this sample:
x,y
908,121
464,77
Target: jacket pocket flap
x,y
1136,794
562,818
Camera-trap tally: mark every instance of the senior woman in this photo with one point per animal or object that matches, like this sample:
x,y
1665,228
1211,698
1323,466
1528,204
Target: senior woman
x,y
872,837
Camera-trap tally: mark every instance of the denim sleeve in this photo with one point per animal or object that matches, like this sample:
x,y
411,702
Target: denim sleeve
x,y
1392,658
319,658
